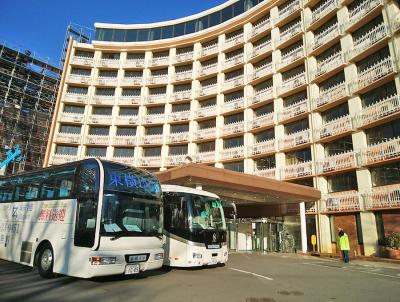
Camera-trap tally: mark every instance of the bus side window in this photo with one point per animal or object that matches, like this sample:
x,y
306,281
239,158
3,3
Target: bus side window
x,y
6,194
32,191
48,189
19,194
65,188
85,226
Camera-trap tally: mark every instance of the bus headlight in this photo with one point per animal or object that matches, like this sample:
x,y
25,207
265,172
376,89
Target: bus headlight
x,y
159,256
99,260
197,256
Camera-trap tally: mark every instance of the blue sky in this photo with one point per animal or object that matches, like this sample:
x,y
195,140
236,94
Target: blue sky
x,y
39,25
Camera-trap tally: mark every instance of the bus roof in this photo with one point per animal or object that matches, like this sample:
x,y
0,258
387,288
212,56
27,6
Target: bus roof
x,y
181,189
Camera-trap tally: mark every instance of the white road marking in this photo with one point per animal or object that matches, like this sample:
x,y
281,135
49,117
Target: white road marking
x,y
250,273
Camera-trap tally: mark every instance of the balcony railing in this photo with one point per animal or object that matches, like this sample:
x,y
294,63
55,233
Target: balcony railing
x,y
126,160
178,137
325,36
99,119
341,202
291,56
264,147
207,90
263,95
71,138
287,10
154,139
231,153
125,140
158,118
182,95
126,120
295,139
97,139
384,197
58,159
158,61
205,133
208,69
293,110
132,81
337,162
129,100
205,157
261,27
377,111
71,117
233,61
292,83
102,100
75,98
233,82
233,105
360,11
106,81
157,79
381,152
322,11
262,121
109,63
176,160
268,173
179,116
335,127
232,128
261,49
262,71
79,79
206,111
150,161
155,99
82,61
330,63
182,57
289,33
209,50
233,41
395,24
368,40
129,63
330,95
182,76
297,170
373,73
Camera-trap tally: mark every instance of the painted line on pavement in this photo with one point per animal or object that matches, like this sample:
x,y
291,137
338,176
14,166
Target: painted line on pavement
x,y
250,273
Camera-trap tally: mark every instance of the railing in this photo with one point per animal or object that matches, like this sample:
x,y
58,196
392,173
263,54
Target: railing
x,y
79,79
155,99
97,139
150,161
181,57
341,202
290,32
383,197
368,40
126,120
159,61
287,10
337,162
157,79
261,49
182,76
82,61
182,95
154,139
208,69
330,63
205,157
330,95
133,63
178,137
58,159
373,73
102,99
297,170
71,117
73,138
263,95
295,139
261,71
99,119
268,173
205,133
261,27
395,24
209,50
264,120
176,160
335,127
105,81
108,62
233,82
322,11
293,110
381,151
235,104
125,140
264,147
75,98
361,11
322,38
292,83
379,110
231,153
126,160
207,90
291,56
236,127
206,111
133,81
158,118
233,61
179,116
129,100
232,41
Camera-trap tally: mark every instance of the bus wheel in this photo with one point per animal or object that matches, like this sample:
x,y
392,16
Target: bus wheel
x,y
46,262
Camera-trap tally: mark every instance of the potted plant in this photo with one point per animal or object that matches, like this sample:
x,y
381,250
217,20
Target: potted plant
x,y
393,245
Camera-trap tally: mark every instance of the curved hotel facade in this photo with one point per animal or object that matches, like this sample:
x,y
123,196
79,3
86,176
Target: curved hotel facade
x,y
304,91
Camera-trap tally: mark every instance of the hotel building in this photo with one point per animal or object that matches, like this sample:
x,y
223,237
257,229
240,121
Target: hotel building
x,y
304,91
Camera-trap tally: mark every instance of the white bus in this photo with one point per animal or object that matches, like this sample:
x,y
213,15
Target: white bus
x,y
84,219
194,227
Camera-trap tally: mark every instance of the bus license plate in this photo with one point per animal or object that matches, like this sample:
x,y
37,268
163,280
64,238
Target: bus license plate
x,y
132,269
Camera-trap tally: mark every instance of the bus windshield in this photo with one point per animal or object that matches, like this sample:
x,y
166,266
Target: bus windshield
x,y
206,213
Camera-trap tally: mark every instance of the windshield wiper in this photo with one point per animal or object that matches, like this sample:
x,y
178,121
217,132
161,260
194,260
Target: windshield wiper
x,y
118,235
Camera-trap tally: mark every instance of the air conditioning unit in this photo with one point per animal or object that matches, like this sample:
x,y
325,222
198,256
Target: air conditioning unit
x,y
145,163
236,154
199,136
236,129
76,119
132,121
146,141
130,142
236,105
256,150
325,133
256,124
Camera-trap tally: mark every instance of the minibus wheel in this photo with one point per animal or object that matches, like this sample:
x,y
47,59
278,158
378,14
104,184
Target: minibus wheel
x,y
46,261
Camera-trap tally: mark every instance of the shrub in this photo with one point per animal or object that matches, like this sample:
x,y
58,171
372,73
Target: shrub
x,y
393,241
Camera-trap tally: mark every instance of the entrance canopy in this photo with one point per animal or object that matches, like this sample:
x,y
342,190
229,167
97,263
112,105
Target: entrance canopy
x,y
238,187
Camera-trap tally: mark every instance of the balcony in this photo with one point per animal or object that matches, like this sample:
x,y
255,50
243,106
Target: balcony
x,y
106,81
232,153
154,139
294,110
233,105
176,160
69,117
233,128
287,11
153,161
75,98
292,83
324,38
155,99
311,208
329,64
183,76
136,63
159,61
261,27
208,69
68,138
339,126
384,197
126,140
133,81
79,79
233,82
233,41
378,111
178,137
367,41
294,140
297,170
361,12
58,159
337,162
129,100
94,139
209,50
158,79
370,77
153,118
265,120
233,61
260,49
179,116
99,119
385,151
290,57
109,63
263,95
126,120
324,10
268,173
205,157
264,147
330,96
84,61
348,201
289,33
207,133
126,160
262,71
182,57
181,95
207,90
395,24
102,100
206,111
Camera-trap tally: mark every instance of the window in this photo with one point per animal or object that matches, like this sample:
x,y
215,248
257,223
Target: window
x,y
107,74
155,110
385,175
294,99
233,96
379,94
380,228
70,129
383,132
143,35
128,111
155,130
298,156
233,142
235,166
335,113
126,131
124,152
130,92
77,90
179,29
81,71
110,55
66,150
359,229
135,56
180,107
208,102
152,151
84,54
133,74
234,118
263,110
296,126
342,182
179,128
264,135
105,91
102,110
96,151
304,182
341,145
207,124
99,130
6,190
155,34
74,109
206,147
332,224
178,150
265,163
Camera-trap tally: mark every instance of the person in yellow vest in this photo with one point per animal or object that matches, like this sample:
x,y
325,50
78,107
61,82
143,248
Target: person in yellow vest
x,y
344,245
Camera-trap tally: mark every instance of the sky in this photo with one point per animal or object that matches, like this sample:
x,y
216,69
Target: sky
x,y
40,25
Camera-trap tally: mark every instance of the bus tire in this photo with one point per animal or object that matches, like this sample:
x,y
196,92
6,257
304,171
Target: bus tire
x,y
46,261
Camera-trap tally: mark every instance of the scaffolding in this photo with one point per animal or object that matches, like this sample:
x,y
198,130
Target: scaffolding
x,y
28,91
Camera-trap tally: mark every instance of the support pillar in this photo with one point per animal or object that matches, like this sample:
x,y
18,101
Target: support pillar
x,y
303,227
